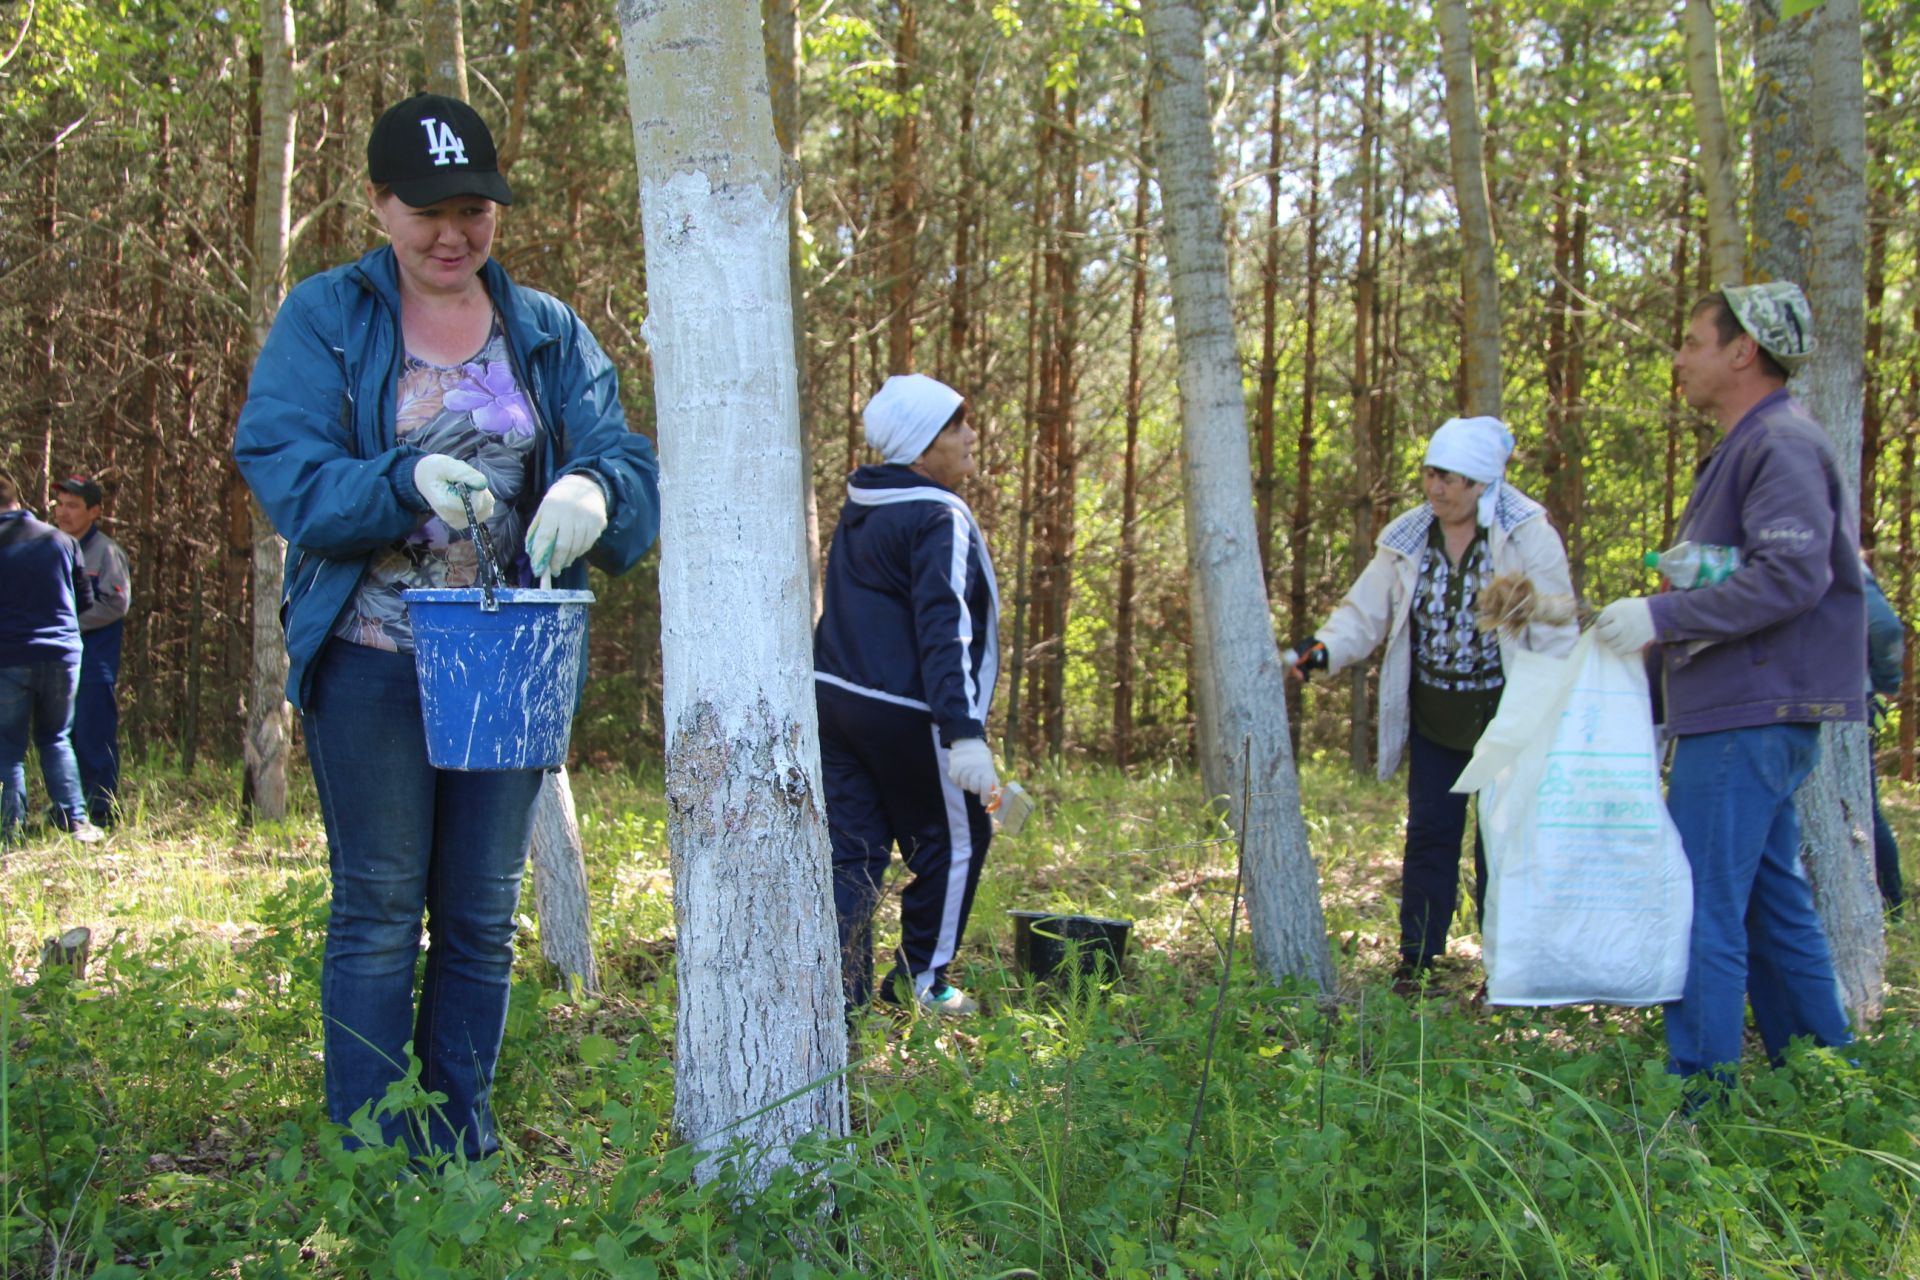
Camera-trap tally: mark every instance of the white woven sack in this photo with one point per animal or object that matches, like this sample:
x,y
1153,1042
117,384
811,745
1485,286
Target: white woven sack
x,y
1589,899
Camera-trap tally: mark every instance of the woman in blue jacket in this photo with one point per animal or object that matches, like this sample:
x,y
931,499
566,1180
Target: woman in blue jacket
x,y
387,389
905,659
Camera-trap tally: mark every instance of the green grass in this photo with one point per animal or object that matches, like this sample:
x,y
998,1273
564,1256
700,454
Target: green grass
x,y
163,1117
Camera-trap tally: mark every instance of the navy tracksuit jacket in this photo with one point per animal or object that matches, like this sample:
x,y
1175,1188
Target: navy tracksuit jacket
x,y
906,655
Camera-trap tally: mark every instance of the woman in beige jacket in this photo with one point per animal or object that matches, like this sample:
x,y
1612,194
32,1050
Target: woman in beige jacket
x,y
1441,678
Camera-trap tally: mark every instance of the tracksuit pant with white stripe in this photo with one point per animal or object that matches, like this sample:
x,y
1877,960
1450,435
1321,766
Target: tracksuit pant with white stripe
x,y
886,779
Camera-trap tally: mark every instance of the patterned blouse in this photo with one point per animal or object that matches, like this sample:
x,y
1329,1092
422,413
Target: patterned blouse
x,y
477,412
1456,668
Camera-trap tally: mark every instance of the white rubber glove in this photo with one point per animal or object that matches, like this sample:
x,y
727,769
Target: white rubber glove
x,y
1626,626
570,520
440,479
970,766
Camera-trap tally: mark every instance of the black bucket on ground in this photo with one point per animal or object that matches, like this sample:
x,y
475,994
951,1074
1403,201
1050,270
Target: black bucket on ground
x,y
1042,940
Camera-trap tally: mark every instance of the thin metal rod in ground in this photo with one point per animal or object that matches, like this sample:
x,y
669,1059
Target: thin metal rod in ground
x,y
1220,1000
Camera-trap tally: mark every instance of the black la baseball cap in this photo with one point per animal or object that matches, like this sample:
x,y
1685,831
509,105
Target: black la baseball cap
x,y
431,148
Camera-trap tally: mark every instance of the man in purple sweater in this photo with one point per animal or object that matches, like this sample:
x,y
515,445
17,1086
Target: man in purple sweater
x,y
1750,669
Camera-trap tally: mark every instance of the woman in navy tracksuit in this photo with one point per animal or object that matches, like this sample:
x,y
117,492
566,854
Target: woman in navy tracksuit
x,y
905,658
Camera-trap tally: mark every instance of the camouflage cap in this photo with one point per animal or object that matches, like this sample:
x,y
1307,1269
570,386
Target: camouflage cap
x,y
1777,317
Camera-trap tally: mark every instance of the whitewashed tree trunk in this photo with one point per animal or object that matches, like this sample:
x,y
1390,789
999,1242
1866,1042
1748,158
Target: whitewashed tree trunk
x,y
760,1000
264,785
1836,802
560,885
1243,677
560,898
1479,282
1724,241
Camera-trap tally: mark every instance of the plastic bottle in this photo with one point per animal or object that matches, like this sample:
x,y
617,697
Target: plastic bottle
x,y
1694,564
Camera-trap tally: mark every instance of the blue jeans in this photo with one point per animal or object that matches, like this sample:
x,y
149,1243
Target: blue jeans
x,y
36,707
403,839
1755,933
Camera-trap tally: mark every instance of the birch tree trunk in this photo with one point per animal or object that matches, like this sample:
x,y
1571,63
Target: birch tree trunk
x,y
1724,240
1836,802
761,1045
264,780
560,900
1247,688
1479,285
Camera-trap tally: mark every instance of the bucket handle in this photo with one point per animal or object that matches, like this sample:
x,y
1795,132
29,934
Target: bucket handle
x,y
483,548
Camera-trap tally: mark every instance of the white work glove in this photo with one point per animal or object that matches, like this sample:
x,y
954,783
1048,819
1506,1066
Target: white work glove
x,y
1626,626
570,520
970,766
440,479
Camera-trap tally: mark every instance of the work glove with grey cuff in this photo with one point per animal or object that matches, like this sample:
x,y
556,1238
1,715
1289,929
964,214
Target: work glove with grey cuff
x,y
970,766
570,520
1626,626
441,479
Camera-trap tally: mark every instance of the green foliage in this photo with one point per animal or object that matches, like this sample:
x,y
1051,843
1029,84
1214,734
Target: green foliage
x,y
163,1116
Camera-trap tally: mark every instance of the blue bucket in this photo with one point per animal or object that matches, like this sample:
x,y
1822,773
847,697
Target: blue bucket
x,y
498,687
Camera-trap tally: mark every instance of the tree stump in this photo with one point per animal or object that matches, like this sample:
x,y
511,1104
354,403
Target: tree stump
x,y
68,951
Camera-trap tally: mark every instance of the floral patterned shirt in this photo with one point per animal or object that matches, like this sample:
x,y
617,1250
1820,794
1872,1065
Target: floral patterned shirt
x,y
475,411
1456,668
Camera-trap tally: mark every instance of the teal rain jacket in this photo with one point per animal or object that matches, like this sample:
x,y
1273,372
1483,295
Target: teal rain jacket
x,y
316,442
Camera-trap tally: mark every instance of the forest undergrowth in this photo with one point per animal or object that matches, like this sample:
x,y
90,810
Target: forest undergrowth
x,y
162,1115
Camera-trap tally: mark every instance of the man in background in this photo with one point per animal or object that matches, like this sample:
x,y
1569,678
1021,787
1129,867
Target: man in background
x,y
96,709
46,588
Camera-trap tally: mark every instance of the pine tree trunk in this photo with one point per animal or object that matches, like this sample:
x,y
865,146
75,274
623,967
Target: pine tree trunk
x,y
1130,463
1269,355
760,1041
1716,150
1366,478
1836,803
906,146
1302,522
1479,286
264,784
1229,600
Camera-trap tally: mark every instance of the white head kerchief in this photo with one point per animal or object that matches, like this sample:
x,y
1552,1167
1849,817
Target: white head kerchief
x,y
907,413
1476,448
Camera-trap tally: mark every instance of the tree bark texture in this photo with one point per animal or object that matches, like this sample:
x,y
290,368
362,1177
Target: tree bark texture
x,y
1479,284
1725,243
1836,802
264,782
1366,476
1298,617
444,45
1247,688
761,1045
1781,137
1123,658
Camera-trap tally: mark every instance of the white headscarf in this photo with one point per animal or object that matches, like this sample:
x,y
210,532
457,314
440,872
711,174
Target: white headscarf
x,y
1477,448
907,413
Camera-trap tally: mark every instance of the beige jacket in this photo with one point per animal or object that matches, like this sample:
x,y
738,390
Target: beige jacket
x,y
1378,606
